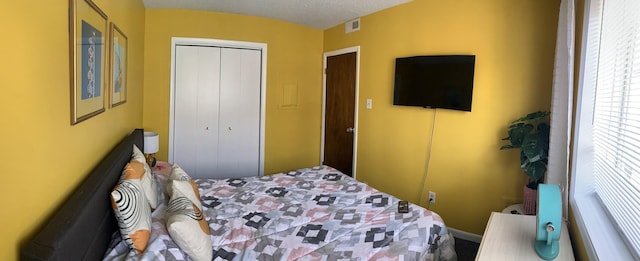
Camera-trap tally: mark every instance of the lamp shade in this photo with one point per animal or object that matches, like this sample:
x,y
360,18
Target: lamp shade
x,y
151,142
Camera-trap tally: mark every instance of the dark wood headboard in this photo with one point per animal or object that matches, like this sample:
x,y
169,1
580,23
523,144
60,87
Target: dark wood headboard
x,y
82,227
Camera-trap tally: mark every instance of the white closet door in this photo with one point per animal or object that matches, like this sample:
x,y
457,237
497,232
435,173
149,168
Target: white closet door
x,y
196,101
217,111
239,150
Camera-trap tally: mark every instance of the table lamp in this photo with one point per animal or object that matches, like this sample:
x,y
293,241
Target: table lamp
x,y
151,142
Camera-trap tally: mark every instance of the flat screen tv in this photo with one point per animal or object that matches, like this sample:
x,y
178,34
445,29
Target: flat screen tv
x,y
435,81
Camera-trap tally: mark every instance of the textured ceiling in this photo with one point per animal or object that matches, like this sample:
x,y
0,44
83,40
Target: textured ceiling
x,y
321,14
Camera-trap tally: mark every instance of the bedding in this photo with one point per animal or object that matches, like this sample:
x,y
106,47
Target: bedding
x,y
315,213
186,222
147,181
131,207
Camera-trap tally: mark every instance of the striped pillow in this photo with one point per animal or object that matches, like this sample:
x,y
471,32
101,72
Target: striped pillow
x,y
179,174
186,223
131,208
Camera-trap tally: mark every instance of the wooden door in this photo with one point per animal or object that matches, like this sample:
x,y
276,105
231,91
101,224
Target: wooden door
x,y
339,111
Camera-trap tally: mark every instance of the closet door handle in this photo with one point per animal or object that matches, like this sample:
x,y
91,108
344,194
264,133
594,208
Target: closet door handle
x,y
350,129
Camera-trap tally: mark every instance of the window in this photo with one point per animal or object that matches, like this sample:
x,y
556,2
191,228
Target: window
x,y
605,189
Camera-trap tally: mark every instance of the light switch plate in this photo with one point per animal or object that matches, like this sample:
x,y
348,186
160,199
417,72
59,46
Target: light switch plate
x,y
369,104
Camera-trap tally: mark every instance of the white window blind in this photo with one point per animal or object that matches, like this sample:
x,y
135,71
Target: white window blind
x,y
616,118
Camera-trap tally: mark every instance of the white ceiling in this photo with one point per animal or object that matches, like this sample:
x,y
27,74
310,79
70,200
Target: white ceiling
x,y
321,14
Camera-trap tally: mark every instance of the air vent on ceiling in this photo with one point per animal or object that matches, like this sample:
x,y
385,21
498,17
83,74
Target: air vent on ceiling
x,y
352,26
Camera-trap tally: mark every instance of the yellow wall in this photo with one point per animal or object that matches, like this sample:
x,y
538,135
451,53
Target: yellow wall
x,y
514,45
513,42
44,156
294,56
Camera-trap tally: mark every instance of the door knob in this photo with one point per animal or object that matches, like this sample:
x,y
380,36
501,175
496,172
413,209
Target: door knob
x,y
350,129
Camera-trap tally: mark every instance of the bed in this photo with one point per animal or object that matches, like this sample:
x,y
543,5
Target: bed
x,y
314,213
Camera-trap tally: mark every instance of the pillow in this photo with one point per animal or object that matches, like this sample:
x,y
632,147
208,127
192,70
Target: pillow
x,y
179,174
186,223
149,185
161,172
131,208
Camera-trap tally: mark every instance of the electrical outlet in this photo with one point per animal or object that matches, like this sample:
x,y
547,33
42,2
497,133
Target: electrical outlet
x,y
432,197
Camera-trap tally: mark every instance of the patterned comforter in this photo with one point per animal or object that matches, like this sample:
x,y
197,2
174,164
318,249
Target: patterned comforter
x,y
309,214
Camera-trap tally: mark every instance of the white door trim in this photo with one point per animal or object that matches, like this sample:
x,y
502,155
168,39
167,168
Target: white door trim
x,y
354,49
262,47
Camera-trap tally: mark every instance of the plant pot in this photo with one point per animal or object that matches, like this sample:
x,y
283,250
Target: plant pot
x,y
530,200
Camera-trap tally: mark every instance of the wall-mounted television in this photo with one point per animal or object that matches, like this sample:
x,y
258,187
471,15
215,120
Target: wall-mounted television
x,y
435,81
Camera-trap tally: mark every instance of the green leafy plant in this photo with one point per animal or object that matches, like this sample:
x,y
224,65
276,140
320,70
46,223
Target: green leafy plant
x,y
530,134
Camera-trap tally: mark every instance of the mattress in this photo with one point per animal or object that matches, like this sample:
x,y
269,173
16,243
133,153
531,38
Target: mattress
x,y
314,213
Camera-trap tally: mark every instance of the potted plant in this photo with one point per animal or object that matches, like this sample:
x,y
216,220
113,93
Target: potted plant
x,y
530,134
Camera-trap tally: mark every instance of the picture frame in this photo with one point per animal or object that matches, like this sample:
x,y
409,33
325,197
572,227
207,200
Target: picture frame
x,y
118,66
88,59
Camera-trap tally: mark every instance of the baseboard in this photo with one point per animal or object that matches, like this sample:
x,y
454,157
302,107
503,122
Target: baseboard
x,y
465,235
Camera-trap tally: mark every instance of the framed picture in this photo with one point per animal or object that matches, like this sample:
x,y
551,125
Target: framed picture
x,y
87,35
118,66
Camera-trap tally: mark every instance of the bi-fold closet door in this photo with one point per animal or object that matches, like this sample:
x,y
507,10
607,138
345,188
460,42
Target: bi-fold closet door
x,y
217,111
